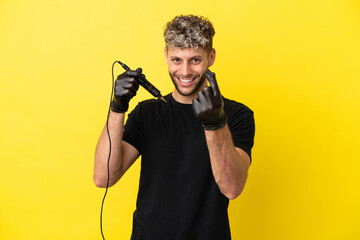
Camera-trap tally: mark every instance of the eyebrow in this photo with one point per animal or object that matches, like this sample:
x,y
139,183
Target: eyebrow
x,y
196,57
172,57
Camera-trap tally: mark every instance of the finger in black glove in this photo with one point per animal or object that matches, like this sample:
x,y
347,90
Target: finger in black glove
x,y
209,105
126,87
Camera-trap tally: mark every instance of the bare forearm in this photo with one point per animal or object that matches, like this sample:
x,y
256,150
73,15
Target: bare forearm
x,y
228,165
116,125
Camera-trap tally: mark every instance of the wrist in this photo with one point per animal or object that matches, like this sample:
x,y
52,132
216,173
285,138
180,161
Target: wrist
x,y
118,108
215,125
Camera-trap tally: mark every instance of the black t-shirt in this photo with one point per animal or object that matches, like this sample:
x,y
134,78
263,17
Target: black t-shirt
x,y
178,197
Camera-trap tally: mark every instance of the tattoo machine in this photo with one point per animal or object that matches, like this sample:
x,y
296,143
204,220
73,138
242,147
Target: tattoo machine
x,y
146,84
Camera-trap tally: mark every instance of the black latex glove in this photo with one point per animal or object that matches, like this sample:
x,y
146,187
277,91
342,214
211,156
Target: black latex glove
x,y
125,88
209,105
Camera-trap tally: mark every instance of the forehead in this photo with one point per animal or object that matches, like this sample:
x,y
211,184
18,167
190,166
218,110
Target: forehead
x,y
186,52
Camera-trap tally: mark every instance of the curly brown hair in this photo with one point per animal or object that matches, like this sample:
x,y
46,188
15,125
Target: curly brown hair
x,y
189,31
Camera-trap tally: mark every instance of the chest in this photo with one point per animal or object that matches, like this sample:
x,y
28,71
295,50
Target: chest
x,y
175,141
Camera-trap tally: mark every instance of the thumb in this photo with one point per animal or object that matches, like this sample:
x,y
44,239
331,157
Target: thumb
x,y
139,71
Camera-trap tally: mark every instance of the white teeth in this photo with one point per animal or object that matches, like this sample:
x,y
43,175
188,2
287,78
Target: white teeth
x,y
185,80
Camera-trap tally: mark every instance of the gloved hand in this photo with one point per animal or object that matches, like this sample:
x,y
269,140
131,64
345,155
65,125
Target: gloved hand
x,y
209,105
125,88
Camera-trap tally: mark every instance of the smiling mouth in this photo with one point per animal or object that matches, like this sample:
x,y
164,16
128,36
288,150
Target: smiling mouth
x,y
185,80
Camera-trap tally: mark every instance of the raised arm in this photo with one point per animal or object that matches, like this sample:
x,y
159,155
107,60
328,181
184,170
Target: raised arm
x,y
229,163
123,155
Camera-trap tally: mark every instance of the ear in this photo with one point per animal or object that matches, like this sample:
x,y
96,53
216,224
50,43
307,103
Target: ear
x,y
212,57
166,55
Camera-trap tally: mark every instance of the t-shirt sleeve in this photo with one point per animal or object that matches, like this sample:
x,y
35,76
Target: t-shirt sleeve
x,y
242,128
133,130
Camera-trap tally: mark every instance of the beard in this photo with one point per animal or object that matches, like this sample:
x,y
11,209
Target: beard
x,y
194,90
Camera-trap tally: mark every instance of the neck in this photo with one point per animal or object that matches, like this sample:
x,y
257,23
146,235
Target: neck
x,y
182,99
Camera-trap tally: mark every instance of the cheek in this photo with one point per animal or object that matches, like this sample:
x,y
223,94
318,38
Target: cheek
x,y
201,68
172,68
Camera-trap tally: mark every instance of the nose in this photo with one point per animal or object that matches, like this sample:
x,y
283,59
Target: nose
x,y
185,69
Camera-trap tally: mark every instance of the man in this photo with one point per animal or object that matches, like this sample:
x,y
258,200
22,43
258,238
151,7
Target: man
x,y
196,148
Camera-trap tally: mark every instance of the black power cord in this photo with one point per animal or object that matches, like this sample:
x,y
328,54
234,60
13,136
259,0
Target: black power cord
x,y
108,162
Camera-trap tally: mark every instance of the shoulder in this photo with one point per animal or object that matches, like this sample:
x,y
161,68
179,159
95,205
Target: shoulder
x,y
233,108
239,116
149,102
148,106
153,102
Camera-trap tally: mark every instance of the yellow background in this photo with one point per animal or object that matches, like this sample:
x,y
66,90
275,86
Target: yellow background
x,y
295,63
